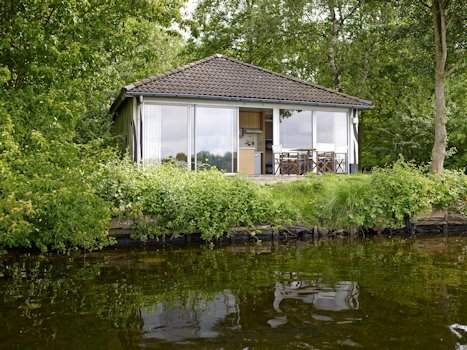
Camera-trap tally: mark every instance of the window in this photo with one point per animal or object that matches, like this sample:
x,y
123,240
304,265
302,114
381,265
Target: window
x,y
324,127
165,133
174,138
216,138
296,129
169,134
331,131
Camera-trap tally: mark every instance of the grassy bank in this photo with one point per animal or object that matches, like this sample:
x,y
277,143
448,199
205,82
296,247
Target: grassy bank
x,y
382,199
60,207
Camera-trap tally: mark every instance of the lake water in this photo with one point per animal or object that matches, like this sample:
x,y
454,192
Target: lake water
x,y
375,294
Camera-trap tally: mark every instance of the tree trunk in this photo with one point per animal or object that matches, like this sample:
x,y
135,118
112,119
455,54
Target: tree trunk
x,y
336,76
439,31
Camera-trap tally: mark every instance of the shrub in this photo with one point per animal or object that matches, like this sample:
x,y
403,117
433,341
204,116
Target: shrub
x,y
171,200
398,193
48,198
384,198
449,191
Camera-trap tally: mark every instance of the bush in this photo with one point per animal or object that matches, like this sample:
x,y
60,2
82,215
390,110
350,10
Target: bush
x,y
167,200
384,198
449,191
61,196
48,197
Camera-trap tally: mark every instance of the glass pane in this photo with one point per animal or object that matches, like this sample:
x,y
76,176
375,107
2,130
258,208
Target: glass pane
x,y
324,127
214,138
174,144
151,134
296,129
331,130
340,120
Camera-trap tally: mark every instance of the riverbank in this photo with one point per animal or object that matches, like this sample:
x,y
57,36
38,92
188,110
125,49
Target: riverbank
x,y
398,200
170,201
434,224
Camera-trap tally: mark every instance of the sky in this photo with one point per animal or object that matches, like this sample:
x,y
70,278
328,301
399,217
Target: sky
x,y
190,7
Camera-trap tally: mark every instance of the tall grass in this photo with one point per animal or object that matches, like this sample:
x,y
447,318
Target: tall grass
x,y
384,198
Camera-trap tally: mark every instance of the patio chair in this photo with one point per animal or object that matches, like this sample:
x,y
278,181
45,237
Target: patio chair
x,y
341,163
325,162
289,163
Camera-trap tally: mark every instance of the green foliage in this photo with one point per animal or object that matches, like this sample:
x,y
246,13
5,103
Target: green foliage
x,y
377,50
449,190
47,195
169,200
384,198
61,62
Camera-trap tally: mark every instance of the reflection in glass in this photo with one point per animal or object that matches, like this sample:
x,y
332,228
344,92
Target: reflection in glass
x,y
165,133
151,134
296,128
324,127
174,145
331,131
215,138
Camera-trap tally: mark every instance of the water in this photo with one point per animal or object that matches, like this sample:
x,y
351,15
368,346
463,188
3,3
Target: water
x,y
378,294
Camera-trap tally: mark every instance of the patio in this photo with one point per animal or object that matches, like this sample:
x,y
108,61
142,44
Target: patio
x,y
303,161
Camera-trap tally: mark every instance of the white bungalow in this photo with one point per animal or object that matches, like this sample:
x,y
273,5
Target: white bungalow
x,y
238,117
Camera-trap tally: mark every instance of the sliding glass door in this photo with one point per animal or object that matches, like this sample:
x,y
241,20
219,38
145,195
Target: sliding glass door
x,y
166,133
331,131
322,130
216,136
195,136
296,129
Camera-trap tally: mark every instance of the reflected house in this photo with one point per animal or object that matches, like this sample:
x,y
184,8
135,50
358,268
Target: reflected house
x,y
240,118
190,319
338,297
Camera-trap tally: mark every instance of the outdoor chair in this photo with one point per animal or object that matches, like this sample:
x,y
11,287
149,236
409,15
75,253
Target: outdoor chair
x,y
325,162
341,163
289,163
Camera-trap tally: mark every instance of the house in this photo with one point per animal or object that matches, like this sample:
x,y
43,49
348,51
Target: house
x,y
241,118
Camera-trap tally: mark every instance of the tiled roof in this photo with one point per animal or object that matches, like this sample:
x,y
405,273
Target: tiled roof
x,y
223,78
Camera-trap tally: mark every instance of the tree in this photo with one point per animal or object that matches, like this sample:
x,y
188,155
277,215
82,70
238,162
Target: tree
x,y
438,10
368,48
61,62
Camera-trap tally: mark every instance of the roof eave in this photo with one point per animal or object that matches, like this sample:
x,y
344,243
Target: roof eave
x,y
122,95
246,99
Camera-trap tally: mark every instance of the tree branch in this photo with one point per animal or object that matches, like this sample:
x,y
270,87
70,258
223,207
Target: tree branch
x,y
352,11
47,20
426,5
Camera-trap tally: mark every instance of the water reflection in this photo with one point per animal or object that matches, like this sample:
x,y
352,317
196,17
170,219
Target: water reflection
x,y
341,296
461,332
190,319
202,318
373,294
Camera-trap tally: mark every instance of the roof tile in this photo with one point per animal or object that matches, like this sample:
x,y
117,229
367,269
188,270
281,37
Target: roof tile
x,y
221,77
